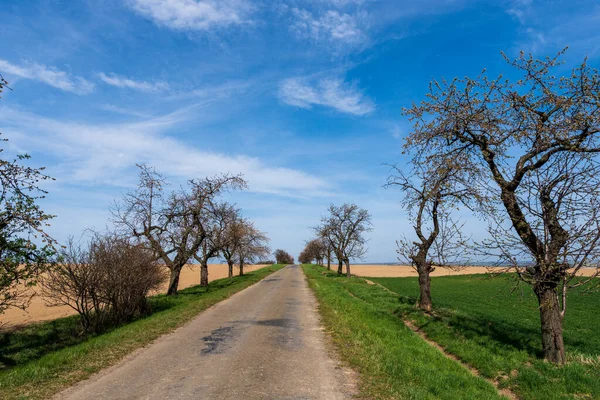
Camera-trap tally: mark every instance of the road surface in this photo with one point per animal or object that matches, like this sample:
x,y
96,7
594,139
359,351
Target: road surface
x,y
262,343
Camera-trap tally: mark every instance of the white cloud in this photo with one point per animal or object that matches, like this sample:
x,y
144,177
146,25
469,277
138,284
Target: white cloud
x,y
124,82
48,75
331,26
107,153
194,14
328,92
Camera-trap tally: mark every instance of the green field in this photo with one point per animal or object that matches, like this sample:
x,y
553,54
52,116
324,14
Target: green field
x,y
484,322
42,359
494,327
393,362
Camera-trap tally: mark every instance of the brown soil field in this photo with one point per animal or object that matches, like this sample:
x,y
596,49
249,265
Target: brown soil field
x,y
38,310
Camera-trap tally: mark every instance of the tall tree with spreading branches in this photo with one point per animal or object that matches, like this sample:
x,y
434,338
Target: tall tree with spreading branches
x,y
536,141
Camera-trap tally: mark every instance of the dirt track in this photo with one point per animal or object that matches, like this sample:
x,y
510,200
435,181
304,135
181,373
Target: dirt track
x,y
38,310
265,342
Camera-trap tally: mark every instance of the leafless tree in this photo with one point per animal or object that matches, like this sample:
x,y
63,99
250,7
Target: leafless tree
x,y
253,246
343,230
315,249
172,226
283,257
535,142
234,234
215,222
430,193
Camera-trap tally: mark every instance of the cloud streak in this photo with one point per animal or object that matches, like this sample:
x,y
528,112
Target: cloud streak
x,y
107,153
195,15
48,75
124,82
326,92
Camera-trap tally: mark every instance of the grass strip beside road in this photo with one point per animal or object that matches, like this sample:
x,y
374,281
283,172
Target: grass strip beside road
x,y
393,361
494,328
40,360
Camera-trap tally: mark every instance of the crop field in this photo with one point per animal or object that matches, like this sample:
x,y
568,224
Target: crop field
x,y
486,325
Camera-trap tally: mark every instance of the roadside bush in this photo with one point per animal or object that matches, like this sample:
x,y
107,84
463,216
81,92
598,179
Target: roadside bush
x,y
106,280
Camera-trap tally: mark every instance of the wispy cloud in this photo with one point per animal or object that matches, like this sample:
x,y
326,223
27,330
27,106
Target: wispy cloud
x,y
124,82
48,75
194,14
107,153
332,26
327,92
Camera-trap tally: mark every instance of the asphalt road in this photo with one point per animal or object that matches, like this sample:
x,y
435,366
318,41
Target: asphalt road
x,y
262,343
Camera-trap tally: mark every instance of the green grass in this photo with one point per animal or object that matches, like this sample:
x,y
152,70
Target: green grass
x,y
393,361
494,328
38,361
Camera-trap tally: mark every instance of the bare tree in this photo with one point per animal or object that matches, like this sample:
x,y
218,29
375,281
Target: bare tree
x,y
344,230
429,201
253,246
171,226
234,235
535,143
283,257
214,225
315,249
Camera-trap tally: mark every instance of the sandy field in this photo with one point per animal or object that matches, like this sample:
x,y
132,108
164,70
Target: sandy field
x,y
39,311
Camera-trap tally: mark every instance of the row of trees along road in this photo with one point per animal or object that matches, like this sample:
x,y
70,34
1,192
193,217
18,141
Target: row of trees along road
x,y
525,153
341,233
189,223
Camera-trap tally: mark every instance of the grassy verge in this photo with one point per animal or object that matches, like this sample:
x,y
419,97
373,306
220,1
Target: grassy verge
x,y
40,360
394,362
492,327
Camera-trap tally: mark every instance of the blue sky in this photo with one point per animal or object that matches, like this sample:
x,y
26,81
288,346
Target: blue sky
x,y
302,96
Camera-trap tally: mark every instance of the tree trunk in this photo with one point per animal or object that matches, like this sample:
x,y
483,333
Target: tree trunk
x,y
230,265
329,262
174,280
552,330
347,268
424,288
340,263
241,267
204,274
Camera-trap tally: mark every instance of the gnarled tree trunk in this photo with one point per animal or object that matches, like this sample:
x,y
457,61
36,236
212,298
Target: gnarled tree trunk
x,y
551,318
174,280
340,265
424,287
329,263
241,267
347,262
230,265
204,274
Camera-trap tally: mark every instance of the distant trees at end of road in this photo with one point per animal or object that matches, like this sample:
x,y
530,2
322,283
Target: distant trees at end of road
x,y
283,257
